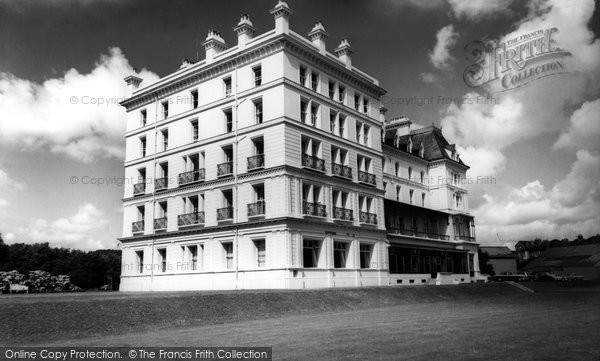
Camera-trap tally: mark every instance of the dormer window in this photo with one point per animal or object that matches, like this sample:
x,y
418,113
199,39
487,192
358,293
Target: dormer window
x,y
421,150
409,146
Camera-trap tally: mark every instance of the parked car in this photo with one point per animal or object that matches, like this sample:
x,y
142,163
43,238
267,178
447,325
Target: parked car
x,y
573,277
549,277
512,276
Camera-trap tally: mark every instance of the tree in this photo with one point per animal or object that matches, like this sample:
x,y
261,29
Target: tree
x,y
484,265
3,250
87,270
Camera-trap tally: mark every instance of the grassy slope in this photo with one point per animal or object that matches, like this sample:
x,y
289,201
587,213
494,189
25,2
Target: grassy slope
x,y
53,317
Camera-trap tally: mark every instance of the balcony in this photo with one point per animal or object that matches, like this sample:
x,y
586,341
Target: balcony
x,y
161,183
417,233
314,209
256,209
191,177
224,169
368,178
160,223
190,219
461,237
139,188
137,227
368,218
310,161
341,170
224,214
343,214
256,162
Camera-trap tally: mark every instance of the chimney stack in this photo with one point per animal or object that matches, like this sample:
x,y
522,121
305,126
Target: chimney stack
x,y
318,35
282,13
133,83
245,30
214,44
344,52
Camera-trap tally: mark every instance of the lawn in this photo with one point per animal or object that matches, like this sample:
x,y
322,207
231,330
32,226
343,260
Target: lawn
x,y
469,322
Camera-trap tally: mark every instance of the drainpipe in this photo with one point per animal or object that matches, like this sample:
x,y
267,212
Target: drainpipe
x,y
154,188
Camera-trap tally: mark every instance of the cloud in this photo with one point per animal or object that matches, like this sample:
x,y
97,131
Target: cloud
x,y
584,129
6,182
83,230
483,126
3,203
58,115
440,55
429,78
569,208
477,10
565,106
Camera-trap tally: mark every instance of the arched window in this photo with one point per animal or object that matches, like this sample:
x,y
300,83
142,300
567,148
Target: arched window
x,y
397,169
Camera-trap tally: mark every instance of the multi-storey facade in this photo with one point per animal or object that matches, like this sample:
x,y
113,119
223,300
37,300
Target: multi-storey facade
x,y
257,167
429,228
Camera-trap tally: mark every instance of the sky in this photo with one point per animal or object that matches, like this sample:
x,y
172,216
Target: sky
x,y
61,154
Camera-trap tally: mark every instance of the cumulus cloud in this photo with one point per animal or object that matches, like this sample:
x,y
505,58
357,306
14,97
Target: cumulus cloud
x,y
584,129
481,127
59,115
560,105
569,208
6,182
440,56
82,230
477,10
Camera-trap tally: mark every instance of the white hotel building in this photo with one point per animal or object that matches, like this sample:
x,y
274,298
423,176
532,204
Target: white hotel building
x,y
262,166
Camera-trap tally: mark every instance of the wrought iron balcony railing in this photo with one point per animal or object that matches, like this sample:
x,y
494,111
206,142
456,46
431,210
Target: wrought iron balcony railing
x,y
256,162
341,170
460,237
343,214
224,214
368,178
314,209
139,188
161,183
160,223
224,169
417,233
369,218
137,227
190,219
191,177
313,162
256,209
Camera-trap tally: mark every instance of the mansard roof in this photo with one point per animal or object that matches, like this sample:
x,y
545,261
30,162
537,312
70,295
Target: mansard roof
x,y
435,145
